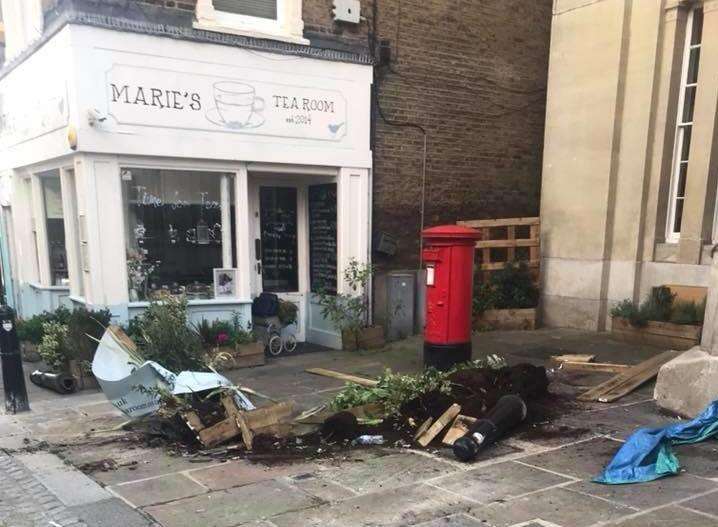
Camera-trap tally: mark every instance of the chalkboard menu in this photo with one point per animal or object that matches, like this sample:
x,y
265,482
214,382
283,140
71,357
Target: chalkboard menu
x,y
278,222
323,238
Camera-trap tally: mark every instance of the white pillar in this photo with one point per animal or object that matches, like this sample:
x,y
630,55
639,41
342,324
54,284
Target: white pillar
x,y
40,230
242,238
224,196
69,214
352,220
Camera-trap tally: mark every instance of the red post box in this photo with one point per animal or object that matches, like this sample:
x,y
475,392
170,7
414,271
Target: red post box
x,y
448,254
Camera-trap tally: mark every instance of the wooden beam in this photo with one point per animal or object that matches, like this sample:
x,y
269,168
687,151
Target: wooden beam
x,y
502,222
363,381
510,243
441,423
500,265
589,367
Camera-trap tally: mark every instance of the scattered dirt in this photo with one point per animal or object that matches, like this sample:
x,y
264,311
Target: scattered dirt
x,y
340,427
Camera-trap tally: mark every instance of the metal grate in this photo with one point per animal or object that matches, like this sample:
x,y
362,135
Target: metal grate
x,y
258,8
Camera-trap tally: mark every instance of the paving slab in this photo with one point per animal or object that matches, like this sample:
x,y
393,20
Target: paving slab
x,y
237,473
399,506
669,516
454,520
558,506
699,459
158,490
320,488
582,460
707,504
648,495
393,470
499,482
227,508
110,513
71,486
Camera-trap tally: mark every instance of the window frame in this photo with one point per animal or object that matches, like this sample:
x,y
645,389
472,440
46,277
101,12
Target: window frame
x,y
287,27
683,128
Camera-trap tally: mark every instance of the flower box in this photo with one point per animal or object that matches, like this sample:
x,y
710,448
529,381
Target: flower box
x,y
654,333
371,337
240,356
524,319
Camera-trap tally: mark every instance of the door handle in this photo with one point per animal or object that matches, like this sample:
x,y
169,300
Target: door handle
x,y
257,248
259,267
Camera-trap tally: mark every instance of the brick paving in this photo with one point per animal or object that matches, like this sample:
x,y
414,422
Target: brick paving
x,y
26,502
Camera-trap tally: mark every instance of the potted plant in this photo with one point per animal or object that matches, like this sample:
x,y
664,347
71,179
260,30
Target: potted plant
x,y
349,312
508,300
231,344
659,320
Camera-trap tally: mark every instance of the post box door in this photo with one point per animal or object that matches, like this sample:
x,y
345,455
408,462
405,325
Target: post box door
x,y
437,294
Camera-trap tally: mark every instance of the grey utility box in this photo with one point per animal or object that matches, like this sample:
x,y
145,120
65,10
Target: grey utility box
x,y
395,303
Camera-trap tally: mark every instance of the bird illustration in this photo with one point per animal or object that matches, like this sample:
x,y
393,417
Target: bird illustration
x,y
334,128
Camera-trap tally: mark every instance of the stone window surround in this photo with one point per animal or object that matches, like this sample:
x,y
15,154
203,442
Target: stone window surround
x,y
289,26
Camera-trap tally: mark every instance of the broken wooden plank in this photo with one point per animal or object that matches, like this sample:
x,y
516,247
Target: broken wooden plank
x,y
438,425
458,429
573,357
218,433
247,435
363,381
624,383
269,415
589,367
423,428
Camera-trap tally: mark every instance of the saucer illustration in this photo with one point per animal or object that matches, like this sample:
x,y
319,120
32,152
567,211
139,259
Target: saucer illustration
x,y
255,120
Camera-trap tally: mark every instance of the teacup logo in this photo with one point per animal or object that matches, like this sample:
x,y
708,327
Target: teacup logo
x,y
237,105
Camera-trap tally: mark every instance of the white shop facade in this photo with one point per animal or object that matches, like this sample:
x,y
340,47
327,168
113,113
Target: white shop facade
x,y
136,167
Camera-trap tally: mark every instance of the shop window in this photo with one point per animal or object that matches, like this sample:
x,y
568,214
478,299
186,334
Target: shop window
x,y
273,19
177,225
55,230
684,123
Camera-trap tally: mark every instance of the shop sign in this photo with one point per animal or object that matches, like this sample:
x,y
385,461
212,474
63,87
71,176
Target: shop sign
x,y
243,105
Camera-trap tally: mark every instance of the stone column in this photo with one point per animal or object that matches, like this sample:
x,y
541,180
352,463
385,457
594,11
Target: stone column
x,y
701,181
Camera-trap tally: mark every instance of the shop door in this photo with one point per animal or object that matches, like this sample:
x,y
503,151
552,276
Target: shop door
x,y
279,267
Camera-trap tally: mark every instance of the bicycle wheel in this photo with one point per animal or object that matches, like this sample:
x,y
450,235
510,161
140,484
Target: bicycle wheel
x,y
290,343
275,345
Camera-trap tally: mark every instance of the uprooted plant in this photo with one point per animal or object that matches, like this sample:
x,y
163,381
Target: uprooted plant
x,y
393,390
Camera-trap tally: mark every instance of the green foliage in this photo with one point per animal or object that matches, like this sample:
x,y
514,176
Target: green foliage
x,y
509,288
31,330
223,332
688,312
85,328
660,306
394,390
287,312
349,311
162,334
55,348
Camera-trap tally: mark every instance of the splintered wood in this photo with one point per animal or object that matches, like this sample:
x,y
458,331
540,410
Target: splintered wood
x,y
438,425
238,422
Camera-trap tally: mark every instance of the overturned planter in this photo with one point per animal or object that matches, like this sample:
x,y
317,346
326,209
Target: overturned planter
x,y
507,319
663,334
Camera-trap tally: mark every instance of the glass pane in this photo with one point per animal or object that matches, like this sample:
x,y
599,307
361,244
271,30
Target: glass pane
x,y
258,8
681,187
697,30
693,60
323,238
688,103
685,142
278,223
679,215
174,232
55,227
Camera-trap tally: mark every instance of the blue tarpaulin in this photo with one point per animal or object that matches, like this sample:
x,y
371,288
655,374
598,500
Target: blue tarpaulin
x,y
647,454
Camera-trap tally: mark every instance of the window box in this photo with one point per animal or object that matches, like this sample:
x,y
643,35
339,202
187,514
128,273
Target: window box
x,y
508,319
663,334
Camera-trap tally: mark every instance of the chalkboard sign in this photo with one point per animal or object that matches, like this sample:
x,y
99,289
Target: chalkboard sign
x,y
323,238
278,222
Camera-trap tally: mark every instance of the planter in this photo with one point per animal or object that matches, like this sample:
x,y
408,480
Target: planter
x,y
29,352
507,319
371,337
349,340
241,355
663,334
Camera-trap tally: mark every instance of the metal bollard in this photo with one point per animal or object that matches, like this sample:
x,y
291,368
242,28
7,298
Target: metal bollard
x,y
12,374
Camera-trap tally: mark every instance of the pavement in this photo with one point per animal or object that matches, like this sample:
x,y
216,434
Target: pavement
x,y
68,463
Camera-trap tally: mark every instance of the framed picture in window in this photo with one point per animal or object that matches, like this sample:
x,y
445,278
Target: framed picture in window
x,y
225,283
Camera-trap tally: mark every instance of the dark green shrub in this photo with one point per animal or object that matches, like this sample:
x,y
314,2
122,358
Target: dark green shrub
x,y
685,312
163,335
628,310
31,330
84,329
223,333
658,305
513,287
484,298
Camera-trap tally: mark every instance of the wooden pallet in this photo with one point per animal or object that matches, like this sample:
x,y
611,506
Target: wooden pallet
x,y
510,242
